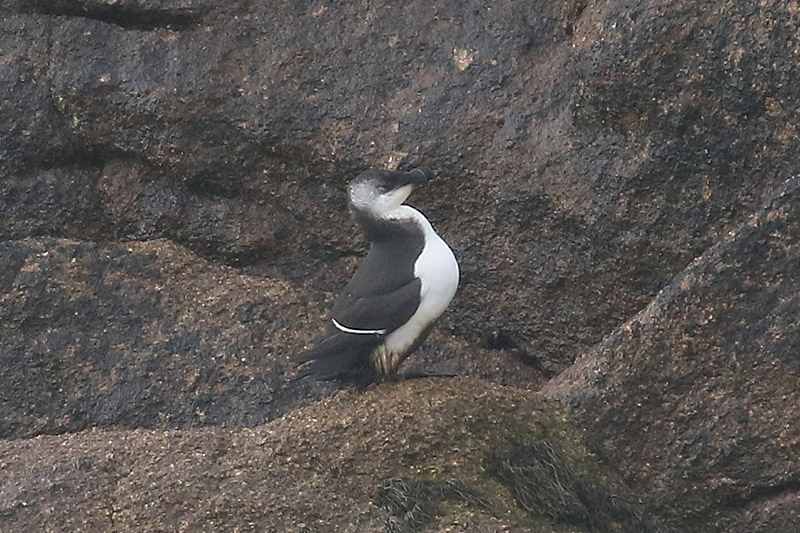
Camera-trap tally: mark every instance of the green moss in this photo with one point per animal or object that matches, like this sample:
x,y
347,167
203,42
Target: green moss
x,y
415,504
544,483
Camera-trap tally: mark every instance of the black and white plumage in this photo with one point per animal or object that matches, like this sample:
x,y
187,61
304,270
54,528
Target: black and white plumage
x,y
403,285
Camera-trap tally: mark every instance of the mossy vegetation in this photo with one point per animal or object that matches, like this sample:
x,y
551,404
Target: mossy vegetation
x,y
544,483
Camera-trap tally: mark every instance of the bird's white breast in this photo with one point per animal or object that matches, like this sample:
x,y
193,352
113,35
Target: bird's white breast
x,y
437,269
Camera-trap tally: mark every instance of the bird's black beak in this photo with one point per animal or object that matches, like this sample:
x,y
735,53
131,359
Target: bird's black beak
x,y
396,179
390,180
420,176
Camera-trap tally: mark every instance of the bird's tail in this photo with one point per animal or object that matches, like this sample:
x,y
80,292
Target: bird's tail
x,y
339,356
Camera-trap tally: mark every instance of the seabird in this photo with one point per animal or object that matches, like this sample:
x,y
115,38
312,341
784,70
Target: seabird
x,y
403,285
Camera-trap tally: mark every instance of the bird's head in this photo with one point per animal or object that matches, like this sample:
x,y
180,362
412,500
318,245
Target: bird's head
x,y
378,193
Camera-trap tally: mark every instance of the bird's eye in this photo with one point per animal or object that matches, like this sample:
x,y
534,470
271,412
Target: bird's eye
x,y
383,188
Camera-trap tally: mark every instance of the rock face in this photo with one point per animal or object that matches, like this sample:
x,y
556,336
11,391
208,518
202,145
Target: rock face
x,y
174,225
137,335
293,474
696,393
587,154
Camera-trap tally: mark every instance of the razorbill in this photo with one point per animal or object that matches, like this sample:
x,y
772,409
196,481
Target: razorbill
x,y
404,283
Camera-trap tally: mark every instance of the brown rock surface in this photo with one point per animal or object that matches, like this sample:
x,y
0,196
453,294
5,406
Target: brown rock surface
x,y
138,334
173,224
694,398
319,468
587,153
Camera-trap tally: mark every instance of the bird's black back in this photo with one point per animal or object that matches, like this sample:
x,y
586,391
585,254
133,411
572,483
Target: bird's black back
x,y
382,295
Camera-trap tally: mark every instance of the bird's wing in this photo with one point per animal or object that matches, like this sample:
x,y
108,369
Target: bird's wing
x,y
376,314
359,323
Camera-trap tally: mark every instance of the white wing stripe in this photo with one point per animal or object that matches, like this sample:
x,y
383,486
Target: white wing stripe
x,y
357,331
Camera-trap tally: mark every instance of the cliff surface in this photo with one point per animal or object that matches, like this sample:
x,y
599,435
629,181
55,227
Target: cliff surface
x,y
613,180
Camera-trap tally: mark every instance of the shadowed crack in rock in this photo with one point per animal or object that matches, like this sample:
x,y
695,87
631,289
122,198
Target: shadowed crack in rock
x,y
770,492
131,15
